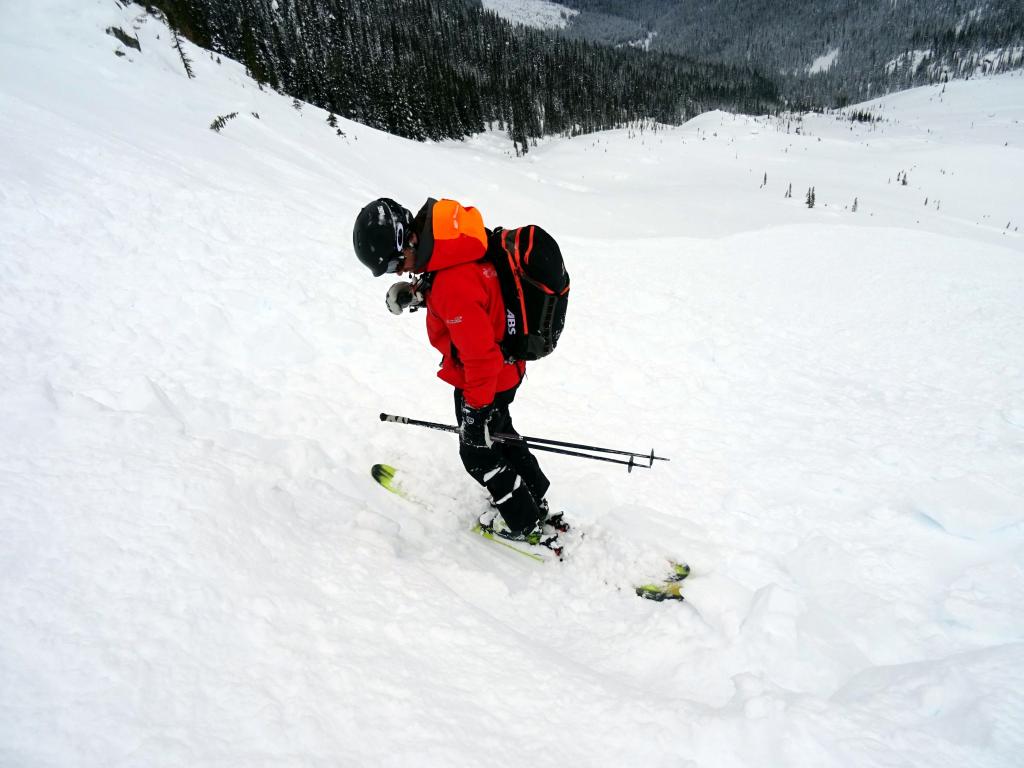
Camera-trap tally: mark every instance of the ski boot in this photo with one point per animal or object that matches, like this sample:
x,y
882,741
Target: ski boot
x,y
492,522
554,521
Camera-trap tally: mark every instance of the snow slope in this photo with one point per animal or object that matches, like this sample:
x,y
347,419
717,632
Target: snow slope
x,y
533,13
824,62
197,569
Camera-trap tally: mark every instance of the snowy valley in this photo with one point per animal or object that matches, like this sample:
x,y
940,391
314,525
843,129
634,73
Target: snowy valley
x,y
196,568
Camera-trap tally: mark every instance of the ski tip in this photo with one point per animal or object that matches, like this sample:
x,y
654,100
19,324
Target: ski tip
x,y
382,473
680,570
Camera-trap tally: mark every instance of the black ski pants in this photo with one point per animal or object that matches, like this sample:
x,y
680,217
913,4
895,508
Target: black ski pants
x,y
508,471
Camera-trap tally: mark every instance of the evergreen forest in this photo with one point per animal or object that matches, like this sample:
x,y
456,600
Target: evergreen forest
x,y
822,53
438,69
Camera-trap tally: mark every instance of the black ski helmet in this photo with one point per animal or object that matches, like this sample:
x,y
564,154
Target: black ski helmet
x,y
380,234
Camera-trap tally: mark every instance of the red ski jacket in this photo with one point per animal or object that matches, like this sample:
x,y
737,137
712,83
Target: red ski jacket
x,y
465,311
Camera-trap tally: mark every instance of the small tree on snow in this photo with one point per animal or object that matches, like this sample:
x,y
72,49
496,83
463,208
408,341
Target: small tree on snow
x,y
854,208
297,105
809,199
221,121
186,62
789,191
332,120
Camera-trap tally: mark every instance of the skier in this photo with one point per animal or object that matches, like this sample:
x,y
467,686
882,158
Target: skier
x,y
443,247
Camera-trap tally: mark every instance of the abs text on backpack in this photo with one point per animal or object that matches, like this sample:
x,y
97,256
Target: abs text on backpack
x,y
535,288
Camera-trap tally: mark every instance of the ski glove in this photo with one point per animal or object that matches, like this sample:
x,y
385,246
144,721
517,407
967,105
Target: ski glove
x,y
473,431
403,295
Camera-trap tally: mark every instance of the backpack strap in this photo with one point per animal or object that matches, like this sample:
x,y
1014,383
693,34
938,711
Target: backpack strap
x,y
510,244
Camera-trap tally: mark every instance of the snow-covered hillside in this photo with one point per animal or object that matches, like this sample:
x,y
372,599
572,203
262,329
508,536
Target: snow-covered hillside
x,y
533,13
824,62
196,568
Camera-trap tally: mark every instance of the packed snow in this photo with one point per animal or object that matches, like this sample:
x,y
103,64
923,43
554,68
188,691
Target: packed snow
x,y
197,569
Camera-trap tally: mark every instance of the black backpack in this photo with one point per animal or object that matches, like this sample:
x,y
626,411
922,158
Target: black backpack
x,y
535,287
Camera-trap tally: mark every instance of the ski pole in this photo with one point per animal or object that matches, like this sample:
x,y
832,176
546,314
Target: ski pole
x,y
533,440
527,438
503,438
543,444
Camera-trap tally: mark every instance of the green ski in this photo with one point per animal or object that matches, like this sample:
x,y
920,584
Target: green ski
x,y
489,535
667,589
384,474
390,478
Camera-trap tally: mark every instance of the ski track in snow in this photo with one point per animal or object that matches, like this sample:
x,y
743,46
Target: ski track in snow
x,y
197,569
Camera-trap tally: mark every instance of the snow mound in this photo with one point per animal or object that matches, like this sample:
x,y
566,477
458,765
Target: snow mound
x,y
966,507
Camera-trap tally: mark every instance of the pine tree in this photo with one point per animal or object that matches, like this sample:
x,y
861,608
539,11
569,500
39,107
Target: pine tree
x,y
186,62
221,121
854,208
